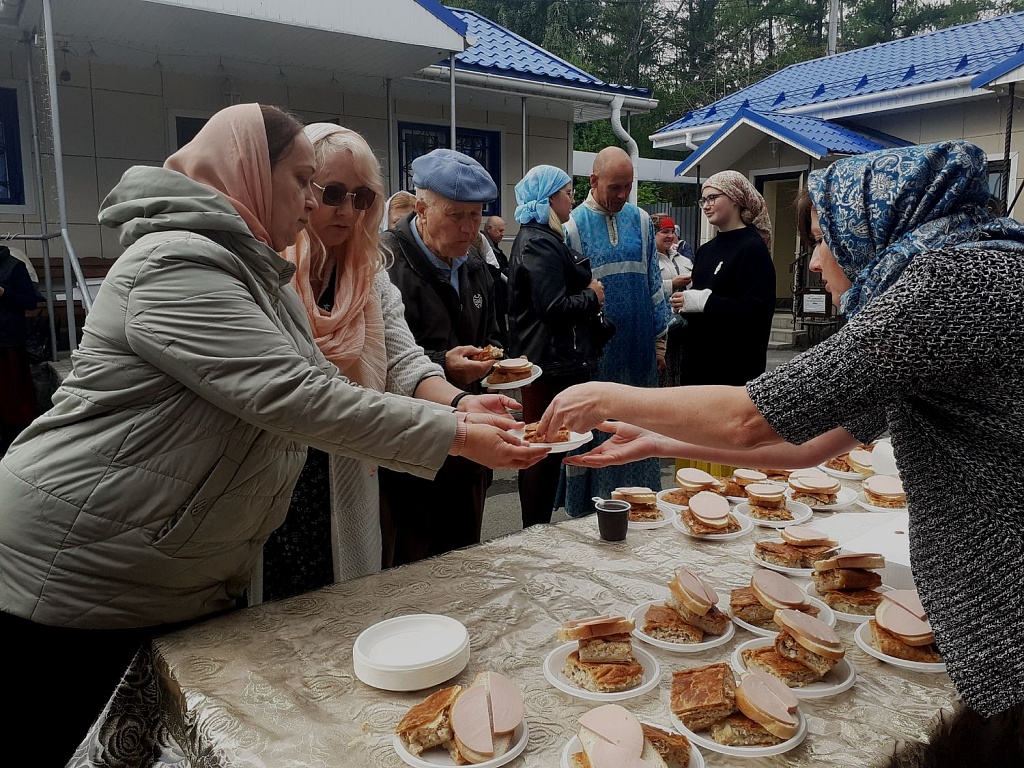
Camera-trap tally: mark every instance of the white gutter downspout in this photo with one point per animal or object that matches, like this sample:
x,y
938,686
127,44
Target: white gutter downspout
x,y
631,147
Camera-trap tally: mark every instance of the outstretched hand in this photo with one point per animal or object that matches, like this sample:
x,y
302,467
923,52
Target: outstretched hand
x,y
628,443
497,449
579,408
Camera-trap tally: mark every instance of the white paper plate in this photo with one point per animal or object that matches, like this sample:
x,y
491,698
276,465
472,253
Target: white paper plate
x,y
800,511
863,503
553,672
804,572
576,439
841,475
844,498
852,618
746,526
826,614
840,678
668,504
862,636
706,742
637,615
573,746
410,653
439,755
736,499
643,525
535,373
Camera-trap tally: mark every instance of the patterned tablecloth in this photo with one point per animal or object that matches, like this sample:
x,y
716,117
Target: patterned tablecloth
x,y
274,685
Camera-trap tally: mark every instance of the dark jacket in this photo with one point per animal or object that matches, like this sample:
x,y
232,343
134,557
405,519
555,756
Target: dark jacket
x,y
550,305
439,317
19,295
728,341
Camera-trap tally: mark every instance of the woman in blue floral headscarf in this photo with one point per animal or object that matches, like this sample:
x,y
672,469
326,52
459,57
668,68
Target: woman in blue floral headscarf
x,y
553,298
932,353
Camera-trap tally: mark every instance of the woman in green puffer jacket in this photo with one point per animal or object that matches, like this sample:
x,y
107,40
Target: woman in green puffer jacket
x,y
142,498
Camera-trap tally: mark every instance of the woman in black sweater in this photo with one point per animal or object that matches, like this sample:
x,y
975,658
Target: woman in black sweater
x,y
552,300
731,300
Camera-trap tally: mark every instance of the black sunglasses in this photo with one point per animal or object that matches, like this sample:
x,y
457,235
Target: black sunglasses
x,y
335,194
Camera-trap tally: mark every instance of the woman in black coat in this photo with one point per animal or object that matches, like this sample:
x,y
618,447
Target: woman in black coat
x,y
553,300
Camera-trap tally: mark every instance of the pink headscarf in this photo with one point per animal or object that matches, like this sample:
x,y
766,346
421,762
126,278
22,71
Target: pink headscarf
x,y
231,155
753,210
351,334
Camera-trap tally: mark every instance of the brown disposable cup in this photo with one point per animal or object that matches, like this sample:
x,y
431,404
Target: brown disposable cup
x,y
612,519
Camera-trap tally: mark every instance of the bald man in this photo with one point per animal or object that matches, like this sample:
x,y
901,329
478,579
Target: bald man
x,y
618,238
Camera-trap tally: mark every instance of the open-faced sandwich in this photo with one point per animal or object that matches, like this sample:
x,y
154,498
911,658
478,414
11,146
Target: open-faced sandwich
x,y
643,504
848,583
884,491
814,488
800,547
612,737
510,370
736,484
690,611
603,661
708,513
692,481
901,629
804,651
767,501
758,712
562,435
768,592
490,352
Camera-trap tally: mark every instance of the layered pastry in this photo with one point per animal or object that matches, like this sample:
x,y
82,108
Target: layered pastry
x,y
692,481
901,628
767,501
603,661
643,504
814,488
508,371
768,591
736,484
884,491
707,514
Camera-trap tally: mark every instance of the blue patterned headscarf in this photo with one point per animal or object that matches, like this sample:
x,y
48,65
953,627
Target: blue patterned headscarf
x,y
880,210
532,193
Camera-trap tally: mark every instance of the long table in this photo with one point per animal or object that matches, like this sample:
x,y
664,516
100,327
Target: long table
x,y
274,684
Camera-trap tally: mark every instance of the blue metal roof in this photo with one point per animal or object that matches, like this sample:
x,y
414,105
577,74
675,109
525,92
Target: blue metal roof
x,y
499,51
814,136
444,14
948,54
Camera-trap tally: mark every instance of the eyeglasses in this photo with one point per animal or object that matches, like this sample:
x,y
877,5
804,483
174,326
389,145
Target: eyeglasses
x,y
704,201
335,195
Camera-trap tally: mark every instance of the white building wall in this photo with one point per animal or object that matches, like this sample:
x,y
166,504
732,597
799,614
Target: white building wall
x,y
113,118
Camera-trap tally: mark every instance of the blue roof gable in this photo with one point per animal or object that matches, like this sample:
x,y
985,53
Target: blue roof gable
x,y
946,54
818,138
499,51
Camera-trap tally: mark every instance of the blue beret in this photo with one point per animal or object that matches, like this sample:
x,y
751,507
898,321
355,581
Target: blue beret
x,y
453,175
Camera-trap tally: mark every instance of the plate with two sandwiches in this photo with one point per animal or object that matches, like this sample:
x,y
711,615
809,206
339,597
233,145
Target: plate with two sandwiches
x,y
840,678
840,474
703,740
555,661
709,641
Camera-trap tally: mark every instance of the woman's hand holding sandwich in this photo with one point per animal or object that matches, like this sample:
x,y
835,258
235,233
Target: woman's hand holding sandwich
x,y
495,448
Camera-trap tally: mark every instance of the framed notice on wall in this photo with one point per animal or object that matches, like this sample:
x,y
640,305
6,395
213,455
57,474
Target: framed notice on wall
x,y
814,303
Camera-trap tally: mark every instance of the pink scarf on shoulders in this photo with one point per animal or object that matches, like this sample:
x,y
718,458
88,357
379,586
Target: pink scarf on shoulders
x,y
351,335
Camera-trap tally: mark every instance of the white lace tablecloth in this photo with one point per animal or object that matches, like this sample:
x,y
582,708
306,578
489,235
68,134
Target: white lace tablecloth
x,y
274,685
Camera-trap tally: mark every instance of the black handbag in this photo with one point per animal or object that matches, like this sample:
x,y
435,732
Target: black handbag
x,y
601,331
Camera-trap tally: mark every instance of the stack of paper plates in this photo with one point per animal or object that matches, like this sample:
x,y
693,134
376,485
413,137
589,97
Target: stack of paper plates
x,y
410,653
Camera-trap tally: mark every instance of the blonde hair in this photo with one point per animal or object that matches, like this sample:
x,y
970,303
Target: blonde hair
x,y
555,223
363,243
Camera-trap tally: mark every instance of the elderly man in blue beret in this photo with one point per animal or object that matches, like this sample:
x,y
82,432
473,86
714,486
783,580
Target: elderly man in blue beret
x,y
449,297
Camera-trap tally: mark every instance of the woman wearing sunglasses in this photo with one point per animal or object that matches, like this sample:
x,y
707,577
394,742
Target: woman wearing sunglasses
x,y
731,299
332,531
